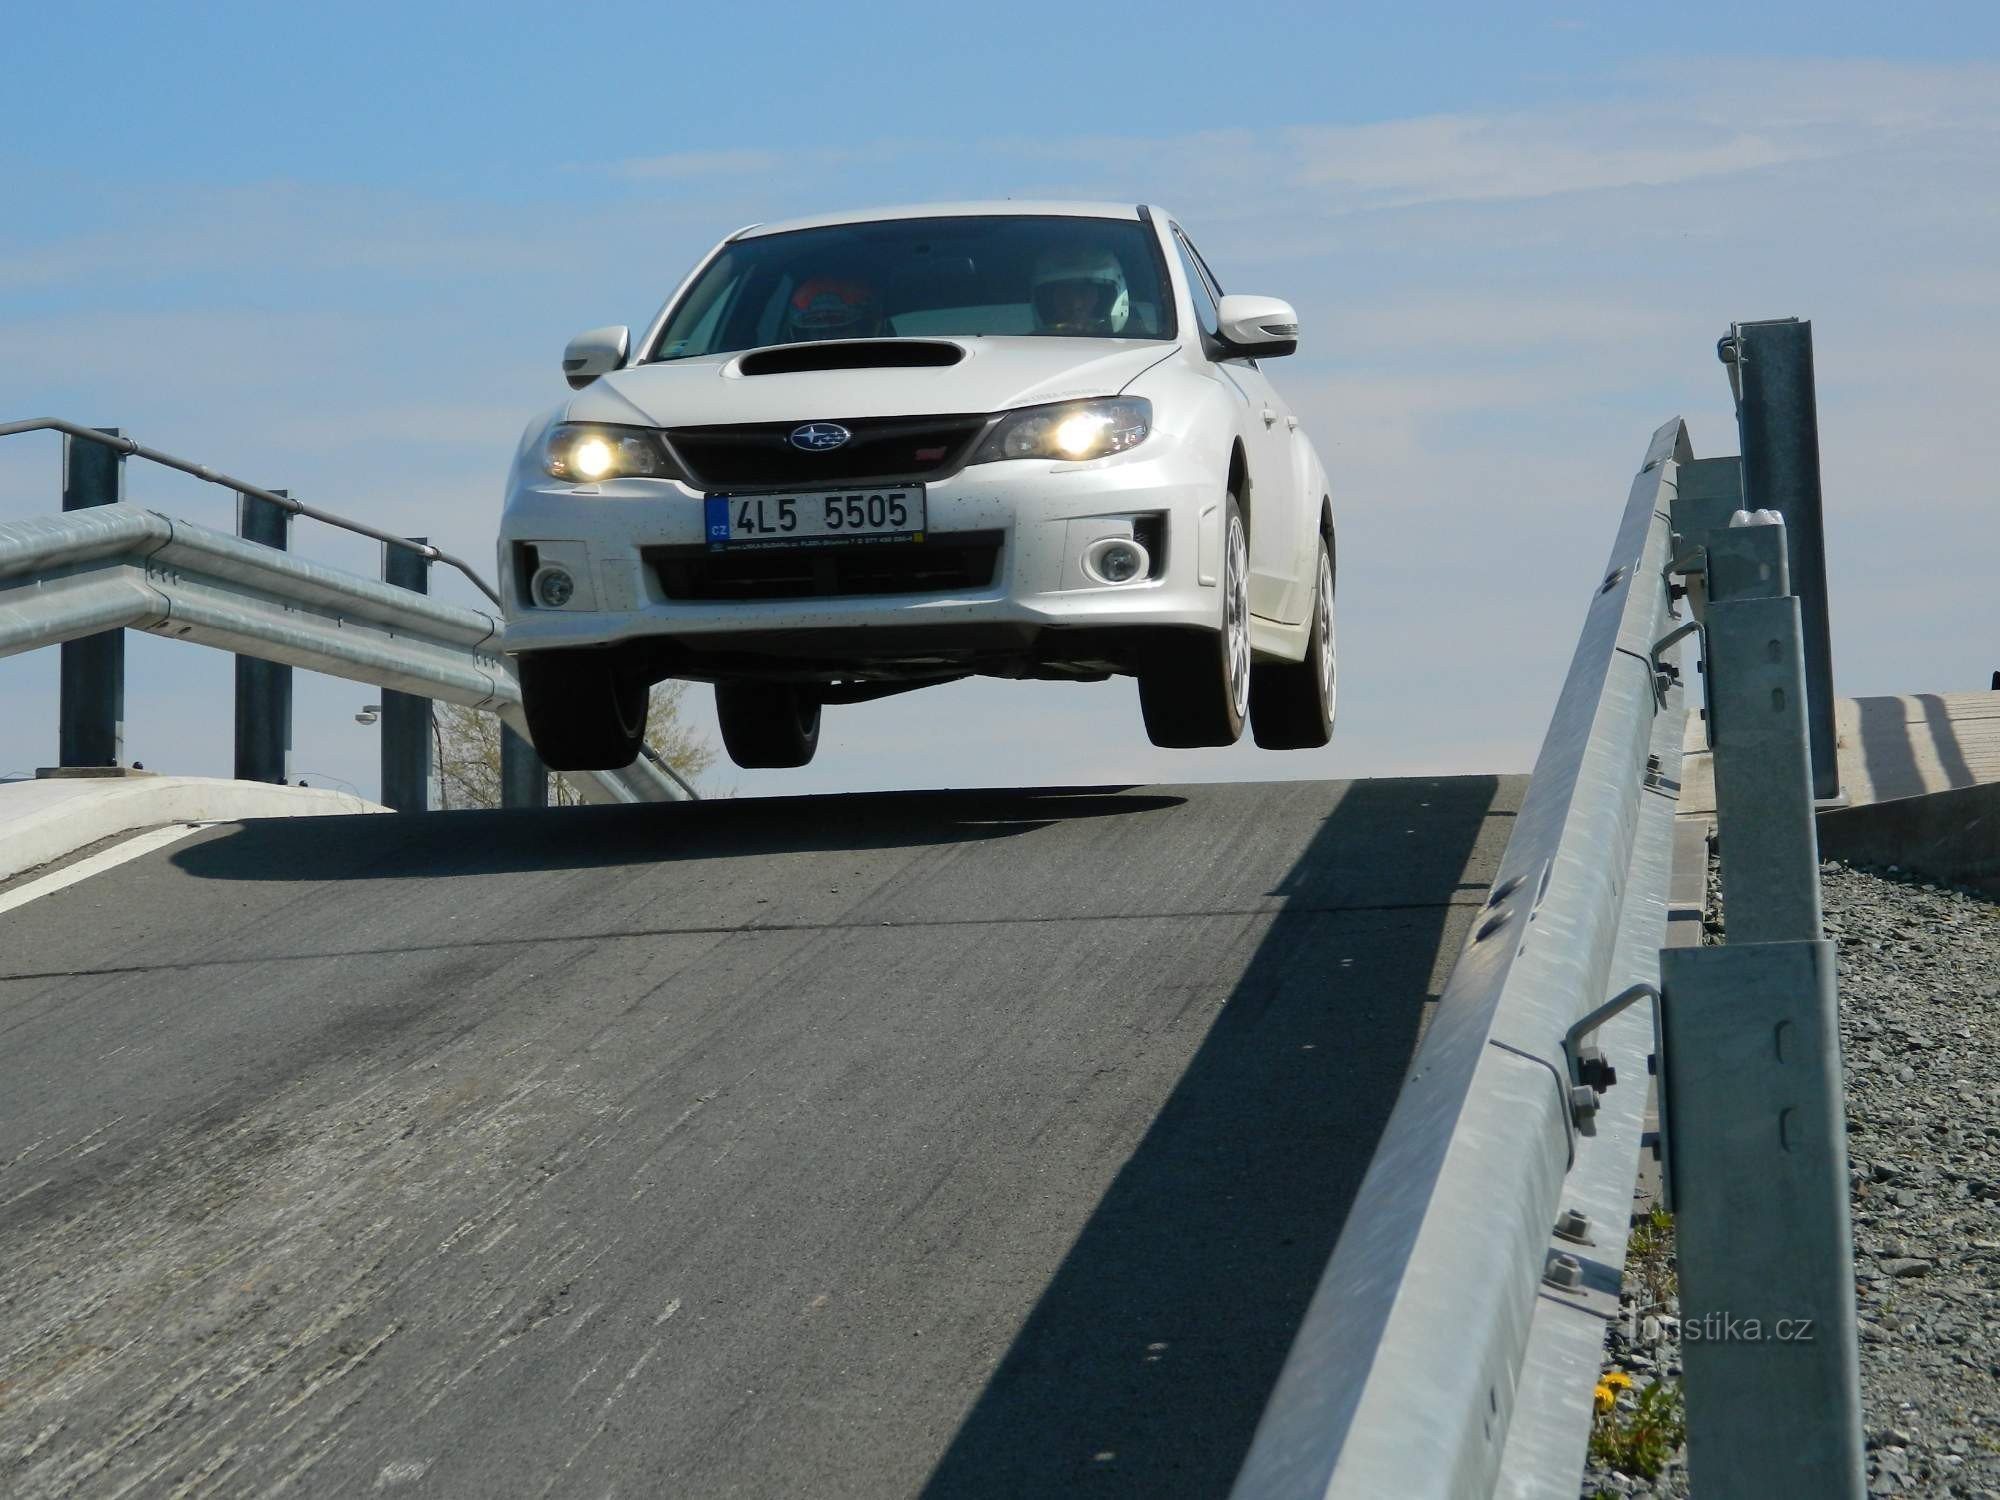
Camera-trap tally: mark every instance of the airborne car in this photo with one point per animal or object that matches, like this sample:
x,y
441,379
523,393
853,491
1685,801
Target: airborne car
x,y
866,453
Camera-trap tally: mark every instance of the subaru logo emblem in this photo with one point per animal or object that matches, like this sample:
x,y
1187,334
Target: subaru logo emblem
x,y
818,437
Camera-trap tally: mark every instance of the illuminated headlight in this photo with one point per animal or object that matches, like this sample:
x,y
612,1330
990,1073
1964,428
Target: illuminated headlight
x,y
1074,430
586,454
552,587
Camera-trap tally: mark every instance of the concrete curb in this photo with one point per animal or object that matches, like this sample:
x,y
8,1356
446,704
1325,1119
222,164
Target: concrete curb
x,y
1951,836
46,820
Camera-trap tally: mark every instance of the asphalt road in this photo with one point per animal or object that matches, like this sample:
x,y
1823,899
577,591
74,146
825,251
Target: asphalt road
x,y
953,1145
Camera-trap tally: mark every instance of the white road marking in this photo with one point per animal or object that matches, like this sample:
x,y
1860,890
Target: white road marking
x,y
97,864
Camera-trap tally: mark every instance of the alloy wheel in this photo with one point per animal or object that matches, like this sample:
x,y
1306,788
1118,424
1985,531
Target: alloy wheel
x,y
1236,617
1323,627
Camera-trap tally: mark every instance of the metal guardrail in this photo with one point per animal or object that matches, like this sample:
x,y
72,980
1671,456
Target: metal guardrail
x,y
63,578
1455,1337
1403,1376
126,447
1752,1094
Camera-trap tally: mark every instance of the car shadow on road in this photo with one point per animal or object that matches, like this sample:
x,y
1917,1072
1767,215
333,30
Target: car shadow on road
x,y
1145,1364
442,845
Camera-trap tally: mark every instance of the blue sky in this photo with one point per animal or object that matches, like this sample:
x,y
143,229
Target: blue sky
x,y
339,249
468,97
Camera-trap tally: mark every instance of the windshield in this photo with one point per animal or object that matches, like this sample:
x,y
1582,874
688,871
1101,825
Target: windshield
x,y
904,278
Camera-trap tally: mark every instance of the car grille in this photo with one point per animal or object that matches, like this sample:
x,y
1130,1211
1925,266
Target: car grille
x,y
759,455
941,563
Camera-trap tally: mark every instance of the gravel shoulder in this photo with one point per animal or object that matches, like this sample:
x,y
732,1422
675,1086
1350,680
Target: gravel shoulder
x,y
1920,1032
1920,1038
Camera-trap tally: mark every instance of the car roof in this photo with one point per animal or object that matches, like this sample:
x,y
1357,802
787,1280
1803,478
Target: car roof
x,y
996,208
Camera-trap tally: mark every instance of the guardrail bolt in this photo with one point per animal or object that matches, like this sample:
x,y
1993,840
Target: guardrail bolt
x,y
1583,1104
1574,1225
1592,1069
1564,1271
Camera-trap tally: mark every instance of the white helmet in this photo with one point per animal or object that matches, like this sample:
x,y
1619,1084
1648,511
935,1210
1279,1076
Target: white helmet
x,y
1081,291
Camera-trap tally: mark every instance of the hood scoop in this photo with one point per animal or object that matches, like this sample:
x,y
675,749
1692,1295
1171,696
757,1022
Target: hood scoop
x,y
850,354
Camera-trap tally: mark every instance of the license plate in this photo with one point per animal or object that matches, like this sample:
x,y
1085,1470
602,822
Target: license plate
x,y
827,518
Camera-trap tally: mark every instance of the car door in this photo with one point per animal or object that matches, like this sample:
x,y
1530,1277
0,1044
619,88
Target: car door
x,y
1277,585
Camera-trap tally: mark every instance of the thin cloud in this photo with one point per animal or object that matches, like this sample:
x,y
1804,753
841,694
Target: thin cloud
x,y
1462,159
679,166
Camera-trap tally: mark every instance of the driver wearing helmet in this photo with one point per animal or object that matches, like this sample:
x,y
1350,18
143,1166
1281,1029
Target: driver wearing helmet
x,y
1081,293
832,307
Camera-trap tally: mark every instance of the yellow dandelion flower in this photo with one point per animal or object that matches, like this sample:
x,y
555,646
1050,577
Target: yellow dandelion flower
x,y
1618,1380
1604,1398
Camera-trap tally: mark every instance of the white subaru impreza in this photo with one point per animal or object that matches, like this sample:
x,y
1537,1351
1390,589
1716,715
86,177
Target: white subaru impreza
x,y
866,453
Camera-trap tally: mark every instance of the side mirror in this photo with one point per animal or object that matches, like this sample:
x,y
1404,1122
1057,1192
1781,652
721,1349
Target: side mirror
x,y
1260,326
595,353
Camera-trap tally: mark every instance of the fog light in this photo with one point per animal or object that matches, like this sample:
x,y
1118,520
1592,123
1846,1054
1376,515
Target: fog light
x,y
552,588
1116,560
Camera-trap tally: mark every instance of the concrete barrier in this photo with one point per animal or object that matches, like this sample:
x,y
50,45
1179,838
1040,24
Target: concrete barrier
x,y
49,819
1951,836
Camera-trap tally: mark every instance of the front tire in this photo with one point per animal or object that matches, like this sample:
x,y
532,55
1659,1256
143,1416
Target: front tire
x,y
1198,693
767,725
584,711
1292,703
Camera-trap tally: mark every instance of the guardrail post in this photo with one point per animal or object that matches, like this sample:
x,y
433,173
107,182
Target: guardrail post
x,y
1757,714
1707,492
92,711
263,688
1778,428
1763,1244
524,780
1751,1075
406,718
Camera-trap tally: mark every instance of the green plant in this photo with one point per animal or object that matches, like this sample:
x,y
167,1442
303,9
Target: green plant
x,y
1639,1438
1649,1255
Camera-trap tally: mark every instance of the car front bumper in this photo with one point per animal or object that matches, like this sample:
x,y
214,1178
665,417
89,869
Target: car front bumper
x,y
633,545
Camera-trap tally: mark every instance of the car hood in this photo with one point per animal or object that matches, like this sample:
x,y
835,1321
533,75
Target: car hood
x,y
995,374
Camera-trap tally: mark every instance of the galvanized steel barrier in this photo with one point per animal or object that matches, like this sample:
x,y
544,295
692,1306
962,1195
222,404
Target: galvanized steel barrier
x,y
1406,1372
1454,1340
1753,1108
115,442
92,571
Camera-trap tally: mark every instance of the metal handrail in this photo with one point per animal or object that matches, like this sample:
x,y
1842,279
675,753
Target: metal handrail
x,y
119,566
203,472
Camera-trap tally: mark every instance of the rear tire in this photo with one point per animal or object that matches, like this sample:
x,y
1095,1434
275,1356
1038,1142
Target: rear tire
x,y
585,711
1198,693
1292,703
767,725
